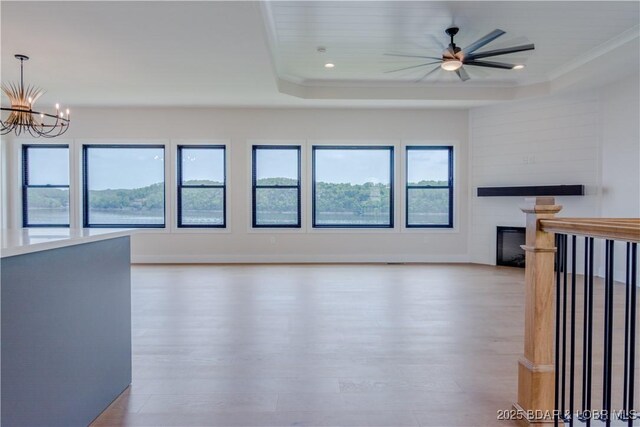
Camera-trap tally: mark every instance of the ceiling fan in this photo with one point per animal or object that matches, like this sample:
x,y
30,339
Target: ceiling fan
x,y
453,58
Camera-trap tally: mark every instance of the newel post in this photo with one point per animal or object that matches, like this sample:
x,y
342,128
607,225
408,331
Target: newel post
x,y
536,365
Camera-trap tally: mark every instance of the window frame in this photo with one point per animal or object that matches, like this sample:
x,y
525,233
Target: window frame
x,y
450,186
26,186
85,186
255,186
390,149
180,186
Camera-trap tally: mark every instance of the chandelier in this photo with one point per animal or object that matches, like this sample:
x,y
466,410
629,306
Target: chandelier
x,y
22,118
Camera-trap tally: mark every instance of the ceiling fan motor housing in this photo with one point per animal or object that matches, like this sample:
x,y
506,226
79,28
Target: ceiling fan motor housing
x,y
452,31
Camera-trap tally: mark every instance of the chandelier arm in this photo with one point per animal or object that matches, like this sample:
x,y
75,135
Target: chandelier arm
x,y
32,130
6,129
53,127
66,128
48,132
38,128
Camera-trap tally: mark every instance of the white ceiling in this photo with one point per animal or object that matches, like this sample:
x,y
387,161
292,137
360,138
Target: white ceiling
x,y
356,36
251,54
141,53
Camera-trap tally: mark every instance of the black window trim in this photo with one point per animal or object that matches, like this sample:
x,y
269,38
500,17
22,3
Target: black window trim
x,y
26,186
449,149
255,185
180,185
85,186
389,148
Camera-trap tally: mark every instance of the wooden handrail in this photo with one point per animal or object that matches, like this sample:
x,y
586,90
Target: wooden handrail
x,y
627,229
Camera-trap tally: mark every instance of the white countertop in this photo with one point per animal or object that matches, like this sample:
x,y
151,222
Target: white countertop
x,y
27,240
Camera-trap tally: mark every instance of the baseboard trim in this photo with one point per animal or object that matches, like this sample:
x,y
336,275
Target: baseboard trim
x,y
295,259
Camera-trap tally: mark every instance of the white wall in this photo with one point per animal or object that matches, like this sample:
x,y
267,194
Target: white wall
x,y
4,188
590,138
620,106
241,244
535,142
621,148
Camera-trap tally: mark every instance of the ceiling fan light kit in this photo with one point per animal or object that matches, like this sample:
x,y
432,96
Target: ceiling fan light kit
x,y
454,58
451,64
22,118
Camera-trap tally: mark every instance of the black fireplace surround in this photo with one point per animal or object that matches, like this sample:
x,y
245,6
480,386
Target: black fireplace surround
x,y
508,250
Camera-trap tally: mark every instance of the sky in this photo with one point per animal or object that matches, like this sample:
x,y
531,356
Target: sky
x,y
125,168
272,163
49,166
427,165
353,166
203,164
140,167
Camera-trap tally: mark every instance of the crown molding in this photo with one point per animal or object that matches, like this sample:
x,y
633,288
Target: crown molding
x,y
598,51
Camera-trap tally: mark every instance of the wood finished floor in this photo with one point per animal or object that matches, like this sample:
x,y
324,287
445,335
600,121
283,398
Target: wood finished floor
x,y
323,345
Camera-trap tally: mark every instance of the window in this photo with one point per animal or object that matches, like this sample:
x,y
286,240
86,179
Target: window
x,y
353,186
123,186
201,186
276,186
45,186
429,191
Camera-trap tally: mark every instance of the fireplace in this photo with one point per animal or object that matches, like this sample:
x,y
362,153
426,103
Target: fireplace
x,y
508,250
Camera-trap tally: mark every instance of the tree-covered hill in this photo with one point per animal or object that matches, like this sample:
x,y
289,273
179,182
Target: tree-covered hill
x,y
49,198
359,199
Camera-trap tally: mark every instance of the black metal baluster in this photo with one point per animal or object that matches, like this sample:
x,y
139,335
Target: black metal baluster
x,y
564,325
608,333
625,386
632,331
585,320
610,343
590,332
605,365
557,348
573,330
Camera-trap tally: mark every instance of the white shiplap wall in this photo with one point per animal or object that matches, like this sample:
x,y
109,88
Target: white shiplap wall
x,y
537,142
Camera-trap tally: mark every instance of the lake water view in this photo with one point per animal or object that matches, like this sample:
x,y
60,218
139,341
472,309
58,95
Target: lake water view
x,y
155,217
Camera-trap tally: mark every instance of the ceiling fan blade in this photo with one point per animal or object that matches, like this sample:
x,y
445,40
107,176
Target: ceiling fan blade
x,y
497,52
428,74
490,64
413,66
483,41
462,73
411,56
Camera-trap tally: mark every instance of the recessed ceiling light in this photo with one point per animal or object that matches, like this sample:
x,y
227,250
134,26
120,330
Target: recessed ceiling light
x,y
518,67
329,65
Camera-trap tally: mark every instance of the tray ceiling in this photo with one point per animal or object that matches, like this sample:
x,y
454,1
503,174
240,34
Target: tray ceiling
x,y
265,54
356,35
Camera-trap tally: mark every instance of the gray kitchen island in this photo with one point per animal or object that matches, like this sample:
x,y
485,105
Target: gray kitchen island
x,y
66,324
